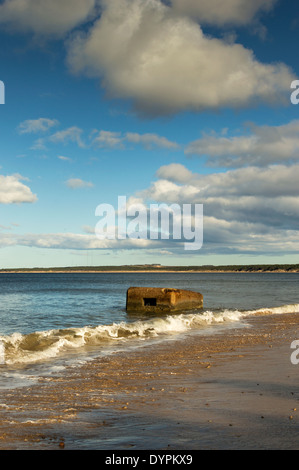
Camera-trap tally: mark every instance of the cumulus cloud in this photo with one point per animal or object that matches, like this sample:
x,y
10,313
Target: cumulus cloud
x,y
276,181
151,140
219,12
97,138
260,147
44,17
36,125
165,63
77,183
104,139
75,241
234,237
273,182
13,191
220,237
174,172
245,210
169,192
72,134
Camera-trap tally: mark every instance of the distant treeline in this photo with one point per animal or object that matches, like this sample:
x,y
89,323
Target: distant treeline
x,y
159,268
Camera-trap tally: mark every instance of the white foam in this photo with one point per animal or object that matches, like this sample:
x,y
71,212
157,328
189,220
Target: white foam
x,y
292,308
44,345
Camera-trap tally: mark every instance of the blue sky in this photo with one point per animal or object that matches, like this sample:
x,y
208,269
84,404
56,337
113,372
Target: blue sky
x,y
182,101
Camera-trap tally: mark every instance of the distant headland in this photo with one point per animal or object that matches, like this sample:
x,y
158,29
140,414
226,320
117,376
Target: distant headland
x,y
158,268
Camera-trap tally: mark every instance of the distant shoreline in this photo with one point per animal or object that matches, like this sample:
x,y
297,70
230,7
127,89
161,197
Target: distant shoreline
x,y
275,268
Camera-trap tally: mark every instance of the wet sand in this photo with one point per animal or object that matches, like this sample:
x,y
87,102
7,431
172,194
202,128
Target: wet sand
x,y
234,390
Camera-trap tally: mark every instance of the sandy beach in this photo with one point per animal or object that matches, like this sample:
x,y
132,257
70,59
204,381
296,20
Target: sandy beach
x,y
234,390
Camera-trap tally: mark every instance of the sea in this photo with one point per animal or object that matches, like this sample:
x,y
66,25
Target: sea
x,y
51,321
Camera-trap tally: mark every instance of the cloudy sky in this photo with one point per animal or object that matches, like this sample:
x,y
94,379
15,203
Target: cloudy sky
x,y
161,101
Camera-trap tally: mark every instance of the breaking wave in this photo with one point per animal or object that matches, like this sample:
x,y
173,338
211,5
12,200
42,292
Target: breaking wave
x,y
43,345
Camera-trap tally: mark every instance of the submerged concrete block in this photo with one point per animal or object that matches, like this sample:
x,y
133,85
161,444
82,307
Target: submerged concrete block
x,y
159,300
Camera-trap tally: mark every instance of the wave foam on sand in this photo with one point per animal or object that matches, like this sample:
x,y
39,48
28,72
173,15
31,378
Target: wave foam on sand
x,y
43,345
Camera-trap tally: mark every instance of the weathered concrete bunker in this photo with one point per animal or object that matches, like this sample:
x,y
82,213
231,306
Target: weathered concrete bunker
x,y
159,300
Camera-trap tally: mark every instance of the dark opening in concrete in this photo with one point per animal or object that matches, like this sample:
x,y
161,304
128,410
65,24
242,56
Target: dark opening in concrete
x,y
150,302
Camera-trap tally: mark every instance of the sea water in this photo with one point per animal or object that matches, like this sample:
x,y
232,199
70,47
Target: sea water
x,y
49,321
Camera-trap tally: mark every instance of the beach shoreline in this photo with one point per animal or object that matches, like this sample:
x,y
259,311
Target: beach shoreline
x,y
146,268
236,389
73,271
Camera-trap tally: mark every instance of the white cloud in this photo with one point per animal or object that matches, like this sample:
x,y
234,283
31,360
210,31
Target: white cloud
x,y
220,236
74,241
36,125
276,181
107,139
219,12
262,146
44,17
164,62
72,134
88,229
65,159
13,191
169,192
247,210
97,138
174,172
118,140
77,183
233,237
38,144
149,140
